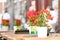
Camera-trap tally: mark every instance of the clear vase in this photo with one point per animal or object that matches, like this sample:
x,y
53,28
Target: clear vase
x,y
32,30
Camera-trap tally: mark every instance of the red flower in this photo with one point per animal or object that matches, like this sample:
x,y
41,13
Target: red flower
x,y
31,14
36,18
4,21
37,14
45,11
35,22
50,17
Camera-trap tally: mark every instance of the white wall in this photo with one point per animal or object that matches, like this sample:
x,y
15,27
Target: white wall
x,y
55,4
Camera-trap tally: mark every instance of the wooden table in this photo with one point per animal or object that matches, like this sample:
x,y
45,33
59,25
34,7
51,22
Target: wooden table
x,y
12,36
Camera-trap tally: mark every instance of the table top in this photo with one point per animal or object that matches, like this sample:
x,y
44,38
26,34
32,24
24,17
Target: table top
x,y
12,36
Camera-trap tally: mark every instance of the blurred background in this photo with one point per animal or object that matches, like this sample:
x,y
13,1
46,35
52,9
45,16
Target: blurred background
x,y
17,9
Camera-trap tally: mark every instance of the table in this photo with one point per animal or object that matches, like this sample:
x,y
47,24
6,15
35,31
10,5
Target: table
x,y
12,36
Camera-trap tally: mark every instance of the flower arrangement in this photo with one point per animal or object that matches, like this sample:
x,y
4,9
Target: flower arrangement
x,y
5,22
38,18
44,17
31,15
17,22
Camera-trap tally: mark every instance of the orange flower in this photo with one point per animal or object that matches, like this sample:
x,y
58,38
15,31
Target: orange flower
x,y
35,22
45,11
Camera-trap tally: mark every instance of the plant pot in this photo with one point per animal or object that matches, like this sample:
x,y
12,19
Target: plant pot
x,y
17,28
42,32
32,30
4,28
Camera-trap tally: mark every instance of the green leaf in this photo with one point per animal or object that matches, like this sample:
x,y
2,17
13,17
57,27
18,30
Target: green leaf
x,y
19,27
42,18
42,24
28,22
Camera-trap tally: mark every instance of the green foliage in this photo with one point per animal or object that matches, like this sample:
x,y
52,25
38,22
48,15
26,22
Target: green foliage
x,y
42,24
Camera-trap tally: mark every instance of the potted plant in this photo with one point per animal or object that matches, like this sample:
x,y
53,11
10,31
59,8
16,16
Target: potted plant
x,y
31,20
5,24
39,20
17,25
44,17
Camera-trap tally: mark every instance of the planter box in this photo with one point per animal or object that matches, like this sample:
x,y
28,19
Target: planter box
x,y
42,32
21,31
4,28
17,28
